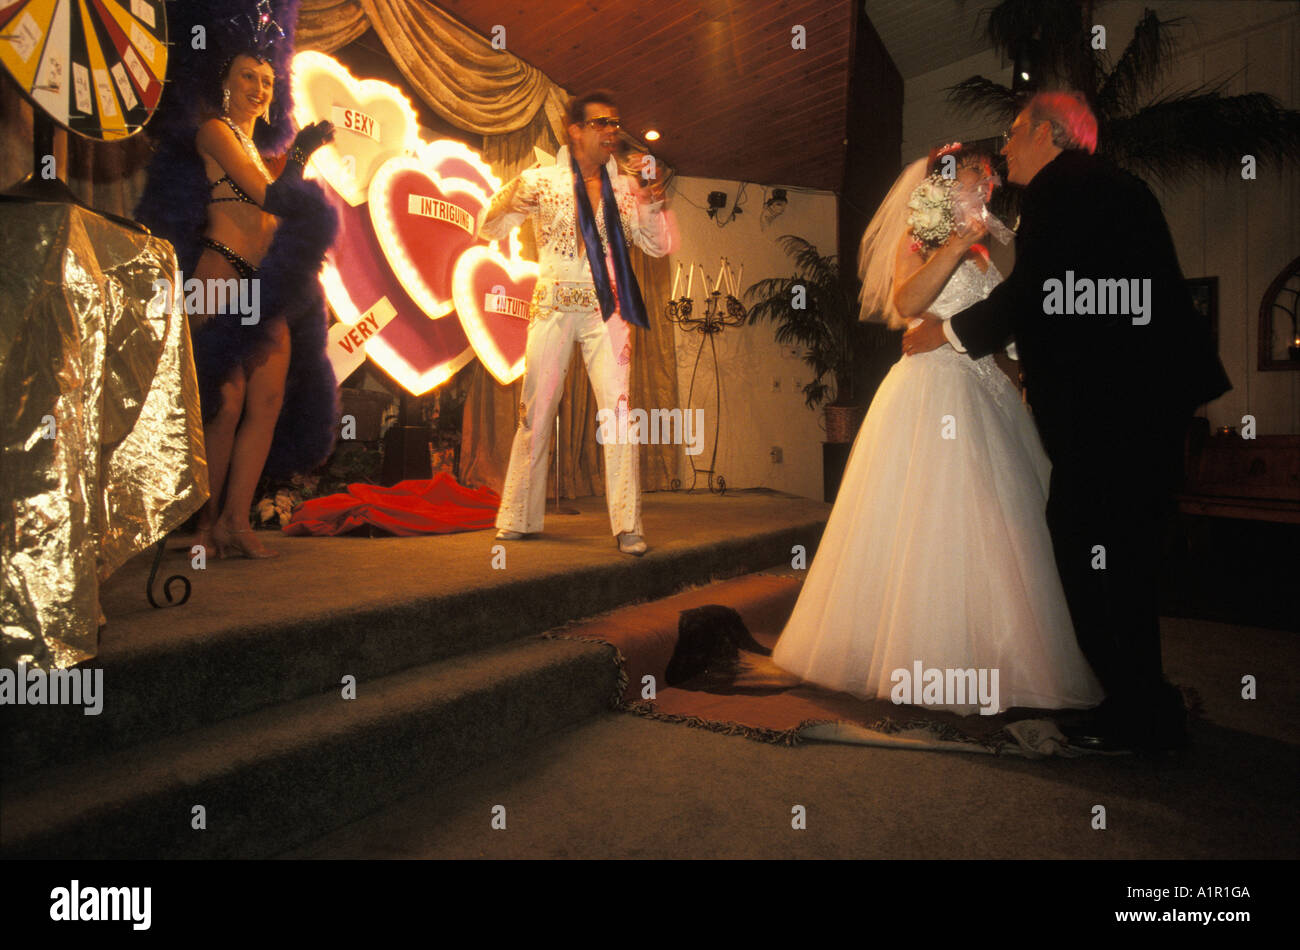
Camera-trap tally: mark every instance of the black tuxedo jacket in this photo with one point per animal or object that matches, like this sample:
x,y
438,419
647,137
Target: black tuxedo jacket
x,y
1083,219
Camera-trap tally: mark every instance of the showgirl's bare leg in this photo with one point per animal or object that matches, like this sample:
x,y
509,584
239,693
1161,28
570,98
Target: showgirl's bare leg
x,y
263,397
218,432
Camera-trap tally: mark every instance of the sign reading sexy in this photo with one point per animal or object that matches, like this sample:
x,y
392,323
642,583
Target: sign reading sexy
x,y
407,256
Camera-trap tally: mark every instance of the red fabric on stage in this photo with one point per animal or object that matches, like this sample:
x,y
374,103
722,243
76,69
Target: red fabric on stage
x,y
440,505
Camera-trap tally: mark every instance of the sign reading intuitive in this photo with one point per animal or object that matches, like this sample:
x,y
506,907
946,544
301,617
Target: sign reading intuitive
x,y
408,256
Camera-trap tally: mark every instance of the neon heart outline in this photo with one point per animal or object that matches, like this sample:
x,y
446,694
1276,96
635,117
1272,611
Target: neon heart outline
x,y
327,165
468,307
326,162
377,350
437,151
433,153
394,249
408,377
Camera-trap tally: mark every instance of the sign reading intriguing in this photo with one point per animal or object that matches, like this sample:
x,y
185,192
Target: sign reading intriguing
x,y
413,287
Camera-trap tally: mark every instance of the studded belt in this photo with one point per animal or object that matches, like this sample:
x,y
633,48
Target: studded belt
x,y
567,295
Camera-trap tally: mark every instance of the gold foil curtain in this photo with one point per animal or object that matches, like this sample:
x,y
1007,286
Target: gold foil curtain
x,y
102,437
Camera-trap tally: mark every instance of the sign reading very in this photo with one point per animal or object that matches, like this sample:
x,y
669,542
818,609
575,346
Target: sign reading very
x,y
347,342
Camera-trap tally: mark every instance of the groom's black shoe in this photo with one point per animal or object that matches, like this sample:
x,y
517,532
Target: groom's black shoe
x,y
1096,735
1115,727
1142,742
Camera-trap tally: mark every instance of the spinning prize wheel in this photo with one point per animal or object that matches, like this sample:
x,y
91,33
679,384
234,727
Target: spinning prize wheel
x,y
96,67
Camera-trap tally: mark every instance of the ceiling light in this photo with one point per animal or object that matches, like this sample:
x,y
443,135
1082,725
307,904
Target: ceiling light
x,y
652,135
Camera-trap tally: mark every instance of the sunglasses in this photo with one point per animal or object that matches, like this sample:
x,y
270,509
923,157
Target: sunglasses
x,y
603,122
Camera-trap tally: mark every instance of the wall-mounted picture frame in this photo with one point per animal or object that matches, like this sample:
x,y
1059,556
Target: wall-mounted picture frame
x,y
1205,298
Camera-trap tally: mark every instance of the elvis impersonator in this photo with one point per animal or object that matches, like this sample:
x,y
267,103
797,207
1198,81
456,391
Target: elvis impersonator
x,y
585,213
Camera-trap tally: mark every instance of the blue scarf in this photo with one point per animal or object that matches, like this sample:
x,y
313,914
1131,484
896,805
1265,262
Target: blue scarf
x,y
630,305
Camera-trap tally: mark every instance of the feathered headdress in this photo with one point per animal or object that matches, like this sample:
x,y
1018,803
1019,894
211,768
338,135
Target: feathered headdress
x,y
206,38
258,30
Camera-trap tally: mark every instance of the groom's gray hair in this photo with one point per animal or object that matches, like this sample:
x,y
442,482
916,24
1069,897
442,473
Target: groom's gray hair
x,y
1073,124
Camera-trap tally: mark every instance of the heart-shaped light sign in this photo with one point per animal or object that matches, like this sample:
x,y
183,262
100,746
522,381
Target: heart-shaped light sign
x,y
492,295
417,352
373,121
452,159
424,222
408,213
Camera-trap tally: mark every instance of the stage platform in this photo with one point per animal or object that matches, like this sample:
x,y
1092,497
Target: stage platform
x,y
235,700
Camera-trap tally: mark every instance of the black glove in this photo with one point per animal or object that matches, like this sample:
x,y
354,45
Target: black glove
x,y
309,139
281,194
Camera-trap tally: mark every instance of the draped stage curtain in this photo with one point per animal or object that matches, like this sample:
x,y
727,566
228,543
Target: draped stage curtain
x,y
480,89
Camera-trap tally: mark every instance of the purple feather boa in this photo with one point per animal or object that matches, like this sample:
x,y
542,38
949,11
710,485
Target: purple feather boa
x,y
175,206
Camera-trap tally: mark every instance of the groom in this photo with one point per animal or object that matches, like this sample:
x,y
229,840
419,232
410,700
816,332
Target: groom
x,y
1115,360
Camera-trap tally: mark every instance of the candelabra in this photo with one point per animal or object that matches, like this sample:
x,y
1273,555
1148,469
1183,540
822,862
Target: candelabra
x,y
718,315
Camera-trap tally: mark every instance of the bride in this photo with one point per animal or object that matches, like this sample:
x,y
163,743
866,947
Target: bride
x,y
937,550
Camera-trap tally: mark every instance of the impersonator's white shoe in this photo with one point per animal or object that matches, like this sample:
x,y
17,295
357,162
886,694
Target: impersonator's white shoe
x,y
504,535
632,544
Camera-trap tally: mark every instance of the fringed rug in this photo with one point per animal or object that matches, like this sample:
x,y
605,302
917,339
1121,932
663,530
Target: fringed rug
x,y
760,701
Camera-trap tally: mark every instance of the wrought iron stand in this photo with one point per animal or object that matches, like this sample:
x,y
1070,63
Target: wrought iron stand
x,y
679,311
159,550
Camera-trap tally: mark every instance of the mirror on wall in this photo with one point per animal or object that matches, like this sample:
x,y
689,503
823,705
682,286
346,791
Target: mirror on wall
x,y
1279,321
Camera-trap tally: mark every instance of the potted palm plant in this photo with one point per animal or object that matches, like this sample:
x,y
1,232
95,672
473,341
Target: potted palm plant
x,y
1158,135
813,309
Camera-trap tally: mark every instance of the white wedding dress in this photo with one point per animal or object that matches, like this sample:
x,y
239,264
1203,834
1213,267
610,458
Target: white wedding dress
x,y
937,549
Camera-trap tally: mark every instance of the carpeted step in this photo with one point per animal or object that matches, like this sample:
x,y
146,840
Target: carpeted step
x,y
763,600
278,777
275,632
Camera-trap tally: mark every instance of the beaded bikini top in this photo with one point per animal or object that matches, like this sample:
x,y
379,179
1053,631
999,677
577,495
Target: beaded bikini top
x,y
239,194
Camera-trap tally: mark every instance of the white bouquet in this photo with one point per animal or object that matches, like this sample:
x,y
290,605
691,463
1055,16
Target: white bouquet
x,y
931,220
